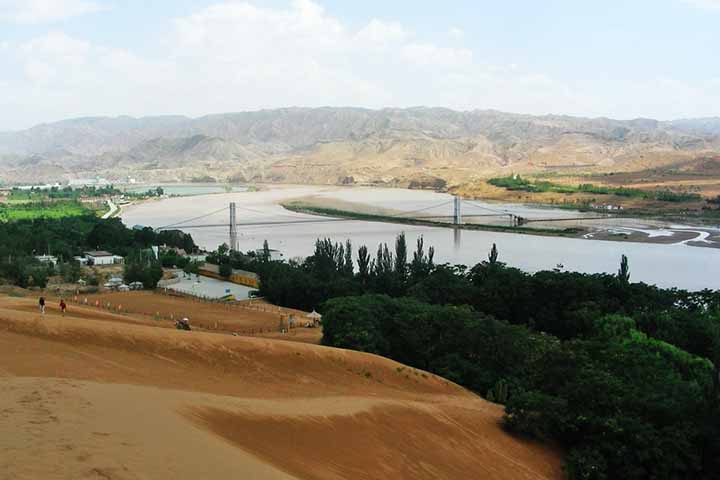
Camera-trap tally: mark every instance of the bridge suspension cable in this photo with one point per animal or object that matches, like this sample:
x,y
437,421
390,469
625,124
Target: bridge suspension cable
x,y
482,207
295,219
284,215
180,223
423,209
273,224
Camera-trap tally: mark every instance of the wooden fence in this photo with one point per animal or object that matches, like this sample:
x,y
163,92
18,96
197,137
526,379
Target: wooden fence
x,y
285,325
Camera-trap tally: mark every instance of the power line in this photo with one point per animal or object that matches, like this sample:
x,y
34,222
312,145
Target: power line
x,y
268,223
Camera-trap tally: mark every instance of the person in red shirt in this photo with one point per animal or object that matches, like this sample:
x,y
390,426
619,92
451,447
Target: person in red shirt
x,y
63,306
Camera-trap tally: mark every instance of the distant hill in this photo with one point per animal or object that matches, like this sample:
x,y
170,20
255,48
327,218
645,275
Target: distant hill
x,y
347,145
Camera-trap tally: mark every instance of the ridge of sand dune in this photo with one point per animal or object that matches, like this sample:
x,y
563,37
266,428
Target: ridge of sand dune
x,y
143,354
86,396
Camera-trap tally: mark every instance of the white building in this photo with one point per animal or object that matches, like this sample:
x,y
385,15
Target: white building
x,y
197,257
47,259
101,257
87,182
275,255
114,282
47,186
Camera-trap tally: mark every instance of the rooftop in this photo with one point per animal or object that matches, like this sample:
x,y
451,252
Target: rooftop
x,y
98,253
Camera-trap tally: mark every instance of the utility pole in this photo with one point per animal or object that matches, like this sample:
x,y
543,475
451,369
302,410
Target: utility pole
x,y
457,216
233,228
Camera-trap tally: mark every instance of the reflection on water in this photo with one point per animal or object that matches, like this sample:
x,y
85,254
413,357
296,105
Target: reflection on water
x,y
457,238
675,265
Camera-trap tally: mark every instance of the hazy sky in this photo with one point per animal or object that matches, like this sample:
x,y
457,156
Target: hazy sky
x,y
616,58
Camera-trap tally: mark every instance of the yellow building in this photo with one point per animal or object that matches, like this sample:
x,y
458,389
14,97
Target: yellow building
x,y
241,277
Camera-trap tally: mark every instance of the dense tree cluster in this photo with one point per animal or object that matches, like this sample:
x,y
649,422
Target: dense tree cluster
x,y
623,375
142,266
227,259
69,193
67,237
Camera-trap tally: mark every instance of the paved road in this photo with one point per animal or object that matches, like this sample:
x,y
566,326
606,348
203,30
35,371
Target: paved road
x,y
113,208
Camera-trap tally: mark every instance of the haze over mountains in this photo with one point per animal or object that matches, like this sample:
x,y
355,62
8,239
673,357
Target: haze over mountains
x,y
346,145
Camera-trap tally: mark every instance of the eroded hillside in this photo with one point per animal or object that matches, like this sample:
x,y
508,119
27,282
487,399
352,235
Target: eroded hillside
x,y
420,146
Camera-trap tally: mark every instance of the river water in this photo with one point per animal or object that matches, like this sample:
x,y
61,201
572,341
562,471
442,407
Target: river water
x,y
667,265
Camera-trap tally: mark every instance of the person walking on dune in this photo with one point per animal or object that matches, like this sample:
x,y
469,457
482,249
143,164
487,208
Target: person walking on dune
x,y
63,306
41,302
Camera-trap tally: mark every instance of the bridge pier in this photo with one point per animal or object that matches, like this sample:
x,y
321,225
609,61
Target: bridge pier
x,y
517,221
233,228
457,214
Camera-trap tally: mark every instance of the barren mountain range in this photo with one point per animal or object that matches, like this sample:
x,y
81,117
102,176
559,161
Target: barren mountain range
x,y
418,146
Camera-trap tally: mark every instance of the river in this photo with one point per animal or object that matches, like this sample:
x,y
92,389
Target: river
x,y
667,265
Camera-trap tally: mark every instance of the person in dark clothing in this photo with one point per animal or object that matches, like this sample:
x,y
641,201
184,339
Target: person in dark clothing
x,y
183,324
63,306
41,302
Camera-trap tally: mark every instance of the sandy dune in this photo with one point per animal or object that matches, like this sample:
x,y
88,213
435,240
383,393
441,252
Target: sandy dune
x,y
95,395
261,320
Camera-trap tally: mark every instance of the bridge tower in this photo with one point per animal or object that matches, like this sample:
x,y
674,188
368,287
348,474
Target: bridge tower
x,y
457,216
233,228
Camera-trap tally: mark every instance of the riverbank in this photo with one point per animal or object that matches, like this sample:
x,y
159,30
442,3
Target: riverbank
x,y
299,207
186,189
657,197
622,229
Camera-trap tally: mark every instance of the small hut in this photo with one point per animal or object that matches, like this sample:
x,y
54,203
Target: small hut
x,y
315,318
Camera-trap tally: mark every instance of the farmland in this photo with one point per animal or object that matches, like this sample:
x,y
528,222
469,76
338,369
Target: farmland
x,y
12,211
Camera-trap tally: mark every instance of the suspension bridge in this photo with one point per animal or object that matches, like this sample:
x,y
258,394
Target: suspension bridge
x,y
456,218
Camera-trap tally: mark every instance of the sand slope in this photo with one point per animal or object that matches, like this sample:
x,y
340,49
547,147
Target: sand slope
x,y
110,397
260,319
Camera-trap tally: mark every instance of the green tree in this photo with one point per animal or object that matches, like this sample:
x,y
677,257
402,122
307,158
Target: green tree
x,y
225,270
70,271
192,267
422,264
624,409
493,255
365,265
624,271
401,257
266,256
142,266
348,267
39,276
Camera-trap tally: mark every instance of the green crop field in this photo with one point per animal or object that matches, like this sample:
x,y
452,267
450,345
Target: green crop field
x,y
34,210
517,183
